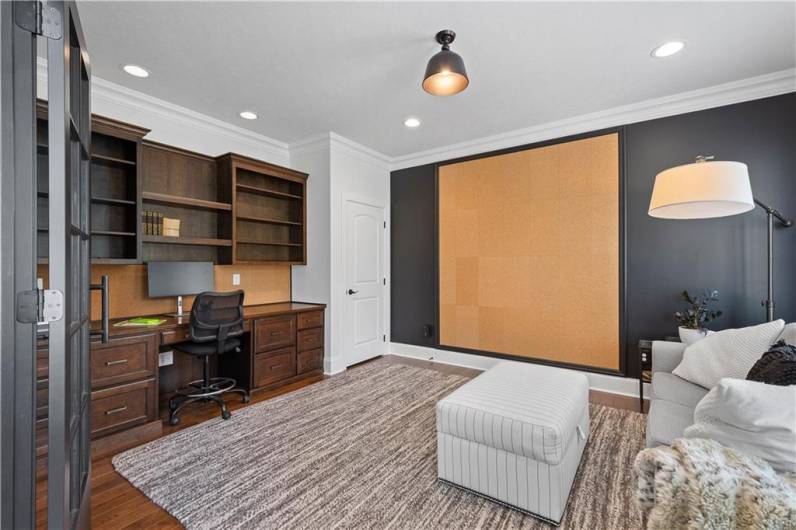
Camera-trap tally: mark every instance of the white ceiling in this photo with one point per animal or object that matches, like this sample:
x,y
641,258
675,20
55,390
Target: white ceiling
x,y
356,68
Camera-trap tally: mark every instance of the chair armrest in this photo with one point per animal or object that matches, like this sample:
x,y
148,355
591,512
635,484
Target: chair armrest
x,y
666,355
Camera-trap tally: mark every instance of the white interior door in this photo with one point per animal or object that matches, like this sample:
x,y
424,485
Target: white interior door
x,y
363,259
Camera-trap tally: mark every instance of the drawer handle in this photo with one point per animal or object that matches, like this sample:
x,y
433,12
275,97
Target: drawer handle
x,y
276,367
114,363
116,410
276,333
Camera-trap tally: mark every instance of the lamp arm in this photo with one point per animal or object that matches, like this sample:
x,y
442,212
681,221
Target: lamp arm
x,y
776,213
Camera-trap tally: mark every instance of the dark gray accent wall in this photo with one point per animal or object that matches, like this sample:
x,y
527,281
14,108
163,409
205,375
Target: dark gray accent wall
x,y
413,262
663,256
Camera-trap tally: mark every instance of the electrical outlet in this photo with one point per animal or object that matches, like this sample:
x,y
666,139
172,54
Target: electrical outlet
x,y
236,279
166,358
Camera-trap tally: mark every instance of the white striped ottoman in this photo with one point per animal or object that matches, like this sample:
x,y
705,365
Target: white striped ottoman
x,y
515,434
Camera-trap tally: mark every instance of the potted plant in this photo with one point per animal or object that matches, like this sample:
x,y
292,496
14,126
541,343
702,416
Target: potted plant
x,y
694,318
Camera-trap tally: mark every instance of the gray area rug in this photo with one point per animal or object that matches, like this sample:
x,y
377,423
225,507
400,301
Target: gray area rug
x,y
359,451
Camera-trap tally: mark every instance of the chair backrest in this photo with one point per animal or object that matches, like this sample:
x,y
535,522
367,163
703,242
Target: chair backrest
x,y
216,317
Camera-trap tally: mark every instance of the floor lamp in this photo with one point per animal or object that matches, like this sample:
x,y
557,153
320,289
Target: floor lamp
x,y
707,189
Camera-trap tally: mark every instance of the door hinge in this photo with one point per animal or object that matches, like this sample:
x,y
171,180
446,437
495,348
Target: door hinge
x,y
39,18
39,305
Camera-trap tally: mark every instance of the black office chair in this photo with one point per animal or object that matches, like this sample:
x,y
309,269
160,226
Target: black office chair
x,y
215,328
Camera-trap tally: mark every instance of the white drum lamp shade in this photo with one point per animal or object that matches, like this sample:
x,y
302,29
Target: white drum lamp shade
x,y
702,190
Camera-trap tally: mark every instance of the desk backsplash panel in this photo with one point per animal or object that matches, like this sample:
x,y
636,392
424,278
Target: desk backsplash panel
x,y
263,284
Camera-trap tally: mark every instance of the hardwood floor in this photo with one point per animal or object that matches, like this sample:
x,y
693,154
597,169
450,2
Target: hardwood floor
x,y
116,504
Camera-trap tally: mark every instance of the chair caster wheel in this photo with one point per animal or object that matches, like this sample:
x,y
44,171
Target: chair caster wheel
x,y
174,420
246,398
226,414
172,406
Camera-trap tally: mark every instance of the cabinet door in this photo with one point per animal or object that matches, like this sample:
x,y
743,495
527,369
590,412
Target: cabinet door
x,y
122,407
124,360
274,332
310,319
274,366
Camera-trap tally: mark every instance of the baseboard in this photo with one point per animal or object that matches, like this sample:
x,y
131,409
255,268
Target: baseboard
x,y
611,384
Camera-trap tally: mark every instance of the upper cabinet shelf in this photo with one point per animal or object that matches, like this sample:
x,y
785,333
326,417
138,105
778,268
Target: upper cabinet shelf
x,y
270,193
269,211
114,181
231,208
165,198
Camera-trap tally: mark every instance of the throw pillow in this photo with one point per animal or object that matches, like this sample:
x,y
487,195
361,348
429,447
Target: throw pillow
x,y
727,353
776,367
789,334
753,417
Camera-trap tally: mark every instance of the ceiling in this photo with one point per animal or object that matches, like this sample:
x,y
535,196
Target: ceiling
x,y
356,68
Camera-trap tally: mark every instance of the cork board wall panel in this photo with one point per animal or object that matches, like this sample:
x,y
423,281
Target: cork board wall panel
x,y
529,253
262,283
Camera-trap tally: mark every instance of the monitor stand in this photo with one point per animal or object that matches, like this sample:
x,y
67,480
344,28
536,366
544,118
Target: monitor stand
x,y
180,313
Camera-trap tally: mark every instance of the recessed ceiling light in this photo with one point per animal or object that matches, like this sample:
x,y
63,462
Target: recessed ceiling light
x,y
248,115
135,70
668,48
412,122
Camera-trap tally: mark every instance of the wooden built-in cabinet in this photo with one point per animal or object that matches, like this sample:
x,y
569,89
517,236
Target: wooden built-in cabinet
x,y
269,211
283,348
124,400
114,192
232,209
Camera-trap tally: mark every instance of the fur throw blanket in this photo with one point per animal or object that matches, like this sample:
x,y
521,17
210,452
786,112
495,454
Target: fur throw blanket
x,y
697,483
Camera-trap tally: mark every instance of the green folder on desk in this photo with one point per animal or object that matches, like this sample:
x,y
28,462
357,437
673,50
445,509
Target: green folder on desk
x,y
141,321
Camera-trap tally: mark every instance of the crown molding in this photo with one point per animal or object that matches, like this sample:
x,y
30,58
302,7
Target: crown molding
x,y
333,141
115,94
759,87
361,152
313,143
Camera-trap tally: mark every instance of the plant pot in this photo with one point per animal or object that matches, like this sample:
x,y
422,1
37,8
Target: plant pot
x,y
689,336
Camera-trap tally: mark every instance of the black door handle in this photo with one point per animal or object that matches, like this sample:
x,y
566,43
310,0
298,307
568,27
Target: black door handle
x,y
351,291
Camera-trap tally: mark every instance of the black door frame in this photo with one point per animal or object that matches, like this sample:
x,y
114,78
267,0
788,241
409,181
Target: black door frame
x,y
18,262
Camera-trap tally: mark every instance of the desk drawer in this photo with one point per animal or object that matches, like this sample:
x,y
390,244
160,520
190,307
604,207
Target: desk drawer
x,y
274,366
308,361
310,339
123,360
310,319
119,408
173,336
274,333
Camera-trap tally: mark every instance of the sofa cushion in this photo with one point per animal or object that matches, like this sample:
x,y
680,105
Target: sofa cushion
x,y
727,353
524,409
666,421
756,418
789,334
673,388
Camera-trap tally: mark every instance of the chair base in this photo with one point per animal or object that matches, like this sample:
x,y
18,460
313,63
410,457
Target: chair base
x,y
204,390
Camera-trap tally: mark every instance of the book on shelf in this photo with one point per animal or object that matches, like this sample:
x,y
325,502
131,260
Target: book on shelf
x,y
170,227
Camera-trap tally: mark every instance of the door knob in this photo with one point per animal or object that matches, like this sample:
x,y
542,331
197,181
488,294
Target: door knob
x,y
351,291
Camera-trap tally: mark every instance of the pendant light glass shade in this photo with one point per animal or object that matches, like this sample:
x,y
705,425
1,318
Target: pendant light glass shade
x,y
445,73
702,190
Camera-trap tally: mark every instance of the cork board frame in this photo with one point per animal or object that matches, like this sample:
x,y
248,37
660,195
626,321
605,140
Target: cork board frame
x,y
578,323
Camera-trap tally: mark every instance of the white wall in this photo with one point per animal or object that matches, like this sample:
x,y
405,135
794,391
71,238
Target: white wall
x,y
312,282
361,173
344,168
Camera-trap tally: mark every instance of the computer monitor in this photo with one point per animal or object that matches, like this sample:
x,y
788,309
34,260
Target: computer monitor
x,y
178,278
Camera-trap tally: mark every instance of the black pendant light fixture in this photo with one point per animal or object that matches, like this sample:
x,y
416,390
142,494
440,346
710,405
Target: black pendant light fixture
x,y
445,73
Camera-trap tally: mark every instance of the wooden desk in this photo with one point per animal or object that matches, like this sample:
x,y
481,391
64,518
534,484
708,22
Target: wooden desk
x,y
283,343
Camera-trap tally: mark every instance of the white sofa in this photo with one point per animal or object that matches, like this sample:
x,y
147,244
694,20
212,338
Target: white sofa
x,y
672,399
